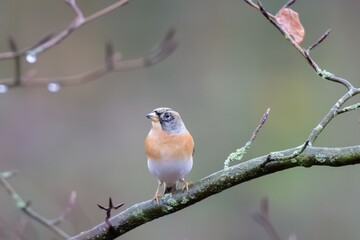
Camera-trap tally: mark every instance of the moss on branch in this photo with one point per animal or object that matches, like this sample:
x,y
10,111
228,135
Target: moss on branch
x,y
147,211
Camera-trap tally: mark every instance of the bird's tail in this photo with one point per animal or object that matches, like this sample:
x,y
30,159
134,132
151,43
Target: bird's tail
x,y
170,188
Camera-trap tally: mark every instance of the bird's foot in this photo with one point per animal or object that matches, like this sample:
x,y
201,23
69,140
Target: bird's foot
x,y
186,184
157,197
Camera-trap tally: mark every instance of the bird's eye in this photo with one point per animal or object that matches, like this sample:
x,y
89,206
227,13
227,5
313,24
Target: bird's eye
x,y
167,116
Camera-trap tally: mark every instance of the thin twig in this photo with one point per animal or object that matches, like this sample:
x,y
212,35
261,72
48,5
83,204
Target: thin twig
x,y
108,210
113,62
322,73
21,227
75,7
25,207
252,4
42,45
263,219
321,38
349,108
239,153
106,10
261,123
118,64
109,56
8,174
276,156
67,211
289,3
15,232
334,111
17,62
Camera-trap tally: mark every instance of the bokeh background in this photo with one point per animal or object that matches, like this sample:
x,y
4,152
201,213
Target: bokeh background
x,y
230,66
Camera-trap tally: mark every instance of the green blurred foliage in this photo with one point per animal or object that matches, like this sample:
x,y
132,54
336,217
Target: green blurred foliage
x,y
230,66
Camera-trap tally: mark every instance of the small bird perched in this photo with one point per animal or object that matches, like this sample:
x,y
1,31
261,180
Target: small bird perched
x,y
169,149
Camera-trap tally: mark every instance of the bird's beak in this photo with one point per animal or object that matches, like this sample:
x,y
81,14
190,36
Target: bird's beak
x,y
153,117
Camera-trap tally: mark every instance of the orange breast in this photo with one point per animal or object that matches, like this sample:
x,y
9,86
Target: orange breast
x,y
161,145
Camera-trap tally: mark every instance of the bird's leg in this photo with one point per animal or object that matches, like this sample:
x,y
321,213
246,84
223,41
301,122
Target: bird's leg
x,y
157,194
186,184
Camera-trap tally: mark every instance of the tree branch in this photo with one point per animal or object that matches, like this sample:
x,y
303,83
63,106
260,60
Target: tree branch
x,y
47,42
239,153
113,62
305,53
335,110
215,183
24,206
263,219
305,155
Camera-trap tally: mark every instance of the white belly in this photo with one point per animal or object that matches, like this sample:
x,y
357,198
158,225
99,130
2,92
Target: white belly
x,y
170,171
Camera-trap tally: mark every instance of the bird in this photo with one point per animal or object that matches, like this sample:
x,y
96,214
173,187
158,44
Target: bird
x,y
169,148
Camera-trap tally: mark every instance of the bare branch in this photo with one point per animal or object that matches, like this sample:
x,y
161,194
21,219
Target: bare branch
x,y
67,211
21,227
75,7
334,111
12,44
261,123
44,43
25,207
113,62
277,156
289,3
332,114
263,219
105,10
322,38
43,39
252,4
8,174
215,183
109,56
162,50
108,210
306,155
160,53
349,108
322,73
239,153
17,62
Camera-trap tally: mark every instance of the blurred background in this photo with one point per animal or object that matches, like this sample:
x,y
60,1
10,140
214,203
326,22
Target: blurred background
x,y
230,66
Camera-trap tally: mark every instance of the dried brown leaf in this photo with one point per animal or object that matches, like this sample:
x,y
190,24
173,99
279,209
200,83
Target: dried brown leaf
x,y
289,20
